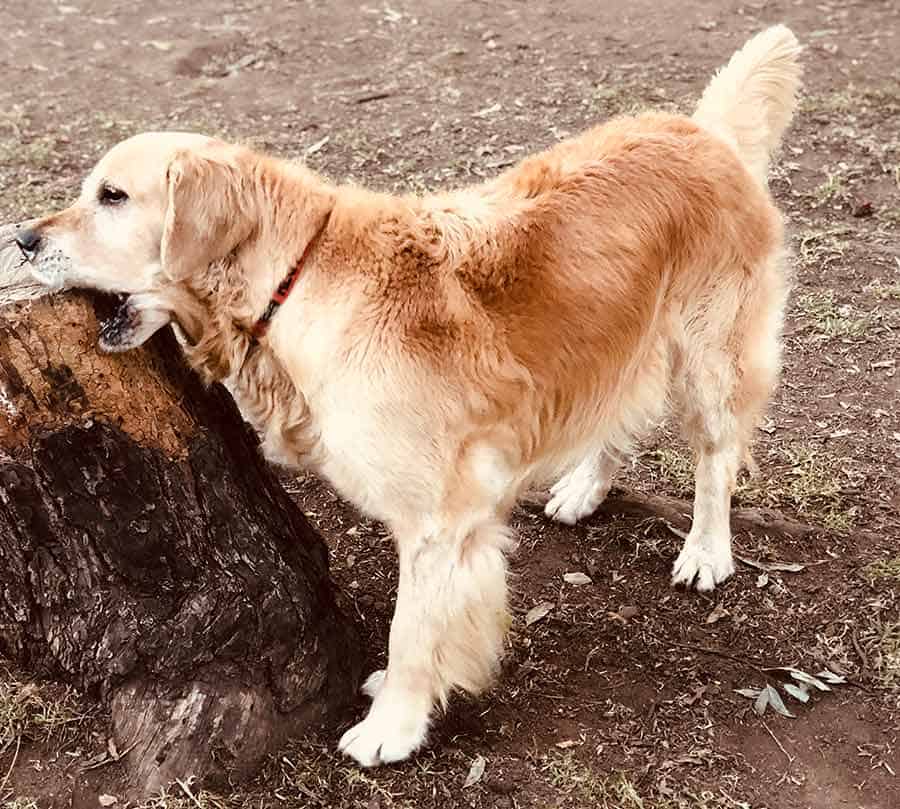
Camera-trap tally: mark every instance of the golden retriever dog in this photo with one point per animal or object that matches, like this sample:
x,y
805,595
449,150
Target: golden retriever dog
x,y
434,356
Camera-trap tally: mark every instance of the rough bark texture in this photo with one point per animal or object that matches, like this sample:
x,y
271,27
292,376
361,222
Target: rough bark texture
x,y
149,555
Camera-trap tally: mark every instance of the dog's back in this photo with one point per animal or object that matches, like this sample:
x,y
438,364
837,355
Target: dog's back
x,y
574,272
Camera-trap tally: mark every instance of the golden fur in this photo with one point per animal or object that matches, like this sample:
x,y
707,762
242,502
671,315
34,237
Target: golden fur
x,y
442,353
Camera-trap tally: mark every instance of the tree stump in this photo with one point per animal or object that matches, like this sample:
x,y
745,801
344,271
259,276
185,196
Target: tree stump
x,y
149,555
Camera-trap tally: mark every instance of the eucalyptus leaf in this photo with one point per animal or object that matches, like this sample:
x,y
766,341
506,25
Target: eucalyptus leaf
x,y
476,771
538,612
769,567
803,677
777,702
762,701
797,692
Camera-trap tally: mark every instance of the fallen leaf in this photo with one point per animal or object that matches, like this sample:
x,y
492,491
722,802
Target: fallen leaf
x,y
753,693
717,614
476,771
762,701
785,567
797,692
777,703
803,677
577,578
762,580
159,45
565,745
628,611
317,146
831,677
488,111
107,800
538,612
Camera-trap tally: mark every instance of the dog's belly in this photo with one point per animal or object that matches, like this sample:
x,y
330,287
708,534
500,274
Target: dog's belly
x,y
378,456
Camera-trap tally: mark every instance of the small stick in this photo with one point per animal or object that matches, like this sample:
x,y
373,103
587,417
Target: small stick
x,y
12,763
373,97
187,791
720,653
790,758
859,650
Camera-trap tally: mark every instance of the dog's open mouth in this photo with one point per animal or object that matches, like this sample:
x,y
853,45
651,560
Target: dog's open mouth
x,y
118,329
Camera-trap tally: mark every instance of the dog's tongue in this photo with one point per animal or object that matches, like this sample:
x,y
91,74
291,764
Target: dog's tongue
x,y
117,329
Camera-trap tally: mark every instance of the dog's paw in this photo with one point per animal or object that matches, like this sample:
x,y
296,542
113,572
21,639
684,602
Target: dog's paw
x,y
702,566
373,684
575,496
389,733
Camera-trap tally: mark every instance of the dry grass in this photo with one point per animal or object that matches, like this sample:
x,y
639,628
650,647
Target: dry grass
x,y
815,486
33,712
574,781
885,291
833,189
182,795
826,319
819,248
887,657
800,477
20,803
883,569
307,775
673,466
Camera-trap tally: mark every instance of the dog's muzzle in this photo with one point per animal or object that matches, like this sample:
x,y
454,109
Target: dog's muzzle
x,y
29,242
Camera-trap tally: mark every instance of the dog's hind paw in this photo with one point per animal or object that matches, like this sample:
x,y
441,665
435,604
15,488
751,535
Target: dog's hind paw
x,y
701,566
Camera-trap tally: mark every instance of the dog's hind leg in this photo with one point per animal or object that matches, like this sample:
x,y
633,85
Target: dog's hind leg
x,y
447,634
580,491
729,369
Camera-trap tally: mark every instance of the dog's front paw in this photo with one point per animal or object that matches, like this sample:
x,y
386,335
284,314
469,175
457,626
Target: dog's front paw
x,y
389,733
702,566
575,497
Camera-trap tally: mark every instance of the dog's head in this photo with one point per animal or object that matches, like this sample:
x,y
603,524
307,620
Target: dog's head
x,y
156,209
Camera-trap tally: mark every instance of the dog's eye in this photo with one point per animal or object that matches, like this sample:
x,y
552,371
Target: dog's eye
x,y
109,195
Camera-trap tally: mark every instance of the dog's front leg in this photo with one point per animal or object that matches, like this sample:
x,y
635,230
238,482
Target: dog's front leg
x,y
447,634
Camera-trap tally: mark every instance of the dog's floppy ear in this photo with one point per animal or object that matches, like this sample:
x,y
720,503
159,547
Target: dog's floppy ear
x,y
207,216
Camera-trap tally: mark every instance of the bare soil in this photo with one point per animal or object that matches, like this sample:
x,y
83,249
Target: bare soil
x,y
623,694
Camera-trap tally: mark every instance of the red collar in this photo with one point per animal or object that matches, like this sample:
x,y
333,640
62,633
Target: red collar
x,y
279,296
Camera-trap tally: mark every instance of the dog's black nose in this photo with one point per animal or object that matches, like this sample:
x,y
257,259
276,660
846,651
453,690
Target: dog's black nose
x,y
28,240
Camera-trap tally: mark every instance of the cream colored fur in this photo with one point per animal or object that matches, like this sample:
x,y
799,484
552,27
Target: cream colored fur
x,y
442,353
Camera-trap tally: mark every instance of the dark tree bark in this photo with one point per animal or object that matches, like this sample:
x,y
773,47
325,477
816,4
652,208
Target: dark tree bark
x,y
147,552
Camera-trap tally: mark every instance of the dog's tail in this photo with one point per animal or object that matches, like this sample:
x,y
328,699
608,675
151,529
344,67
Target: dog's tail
x,y
750,102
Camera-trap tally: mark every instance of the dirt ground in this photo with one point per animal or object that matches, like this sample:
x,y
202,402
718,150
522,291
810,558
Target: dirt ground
x,y
623,693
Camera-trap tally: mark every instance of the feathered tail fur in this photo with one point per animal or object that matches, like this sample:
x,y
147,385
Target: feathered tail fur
x,y
750,102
